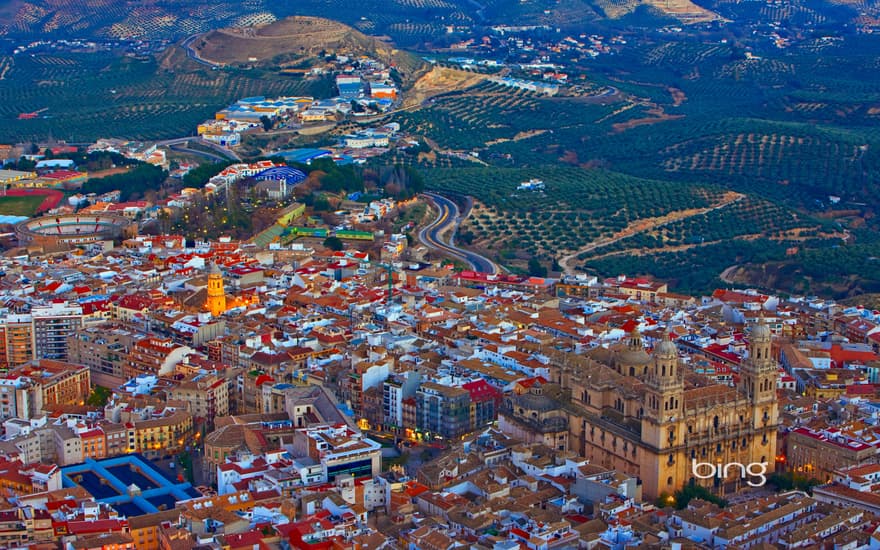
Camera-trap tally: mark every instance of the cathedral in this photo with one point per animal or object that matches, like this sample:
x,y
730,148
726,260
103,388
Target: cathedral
x,y
641,414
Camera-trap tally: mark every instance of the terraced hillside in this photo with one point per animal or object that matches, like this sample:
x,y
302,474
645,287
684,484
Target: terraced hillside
x,y
299,38
791,132
82,97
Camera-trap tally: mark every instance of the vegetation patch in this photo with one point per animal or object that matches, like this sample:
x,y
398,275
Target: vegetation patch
x,y
20,206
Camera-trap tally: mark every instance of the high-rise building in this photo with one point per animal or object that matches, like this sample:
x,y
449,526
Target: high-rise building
x,y
39,334
52,325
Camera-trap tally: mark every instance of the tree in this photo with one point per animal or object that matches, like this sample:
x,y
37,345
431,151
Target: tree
x,y
789,480
691,491
99,396
137,180
197,177
536,269
268,123
333,243
321,203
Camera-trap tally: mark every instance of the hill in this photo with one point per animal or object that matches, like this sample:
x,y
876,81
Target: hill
x,y
298,39
85,96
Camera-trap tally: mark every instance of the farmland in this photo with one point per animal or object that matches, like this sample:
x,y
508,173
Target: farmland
x,y
87,96
299,39
636,182
723,145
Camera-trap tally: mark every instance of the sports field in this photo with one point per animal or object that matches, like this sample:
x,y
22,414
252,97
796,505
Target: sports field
x,y
20,206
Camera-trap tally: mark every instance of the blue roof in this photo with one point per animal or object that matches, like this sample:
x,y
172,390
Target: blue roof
x,y
286,173
12,219
302,155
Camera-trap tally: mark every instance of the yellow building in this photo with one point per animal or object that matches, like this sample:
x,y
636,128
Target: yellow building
x,y
216,302
145,529
167,435
634,412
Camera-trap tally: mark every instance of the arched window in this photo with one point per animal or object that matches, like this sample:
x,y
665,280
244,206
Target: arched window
x,y
669,480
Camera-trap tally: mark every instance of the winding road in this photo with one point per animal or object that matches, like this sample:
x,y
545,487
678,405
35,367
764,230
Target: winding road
x,y
192,54
448,216
182,142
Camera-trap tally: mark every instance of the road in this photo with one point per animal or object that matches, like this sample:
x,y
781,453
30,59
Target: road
x,y
448,216
191,53
223,151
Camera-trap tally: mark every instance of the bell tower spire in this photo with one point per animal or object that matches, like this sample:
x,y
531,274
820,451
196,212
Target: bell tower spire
x,y
216,301
664,396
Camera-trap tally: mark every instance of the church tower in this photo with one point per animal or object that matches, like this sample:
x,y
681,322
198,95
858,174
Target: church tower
x,y
663,465
664,389
758,374
216,302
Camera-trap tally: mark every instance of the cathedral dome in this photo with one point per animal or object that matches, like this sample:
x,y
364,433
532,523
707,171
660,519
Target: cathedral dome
x,y
760,332
536,401
666,348
633,353
633,358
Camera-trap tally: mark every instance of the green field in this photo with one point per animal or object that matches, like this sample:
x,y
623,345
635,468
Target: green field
x,y
83,97
711,151
20,206
407,21
788,130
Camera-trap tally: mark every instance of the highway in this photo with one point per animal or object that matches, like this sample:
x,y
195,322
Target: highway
x,y
223,151
448,215
191,53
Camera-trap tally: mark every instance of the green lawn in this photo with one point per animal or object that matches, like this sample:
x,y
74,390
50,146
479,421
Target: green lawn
x,y
20,206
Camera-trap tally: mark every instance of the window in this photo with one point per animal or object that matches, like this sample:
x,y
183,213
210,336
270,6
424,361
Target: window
x,y
669,480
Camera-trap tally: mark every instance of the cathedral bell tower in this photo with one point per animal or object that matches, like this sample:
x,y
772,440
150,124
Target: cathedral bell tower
x,y
758,374
664,393
216,302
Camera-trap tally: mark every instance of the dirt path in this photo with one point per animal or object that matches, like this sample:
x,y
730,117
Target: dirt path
x,y
647,224
725,275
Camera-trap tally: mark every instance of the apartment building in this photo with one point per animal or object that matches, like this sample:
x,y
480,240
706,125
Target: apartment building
x,y
443,410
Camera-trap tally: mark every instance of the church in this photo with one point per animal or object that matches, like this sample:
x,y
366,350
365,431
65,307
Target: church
x,y
209,295
215,302
639,413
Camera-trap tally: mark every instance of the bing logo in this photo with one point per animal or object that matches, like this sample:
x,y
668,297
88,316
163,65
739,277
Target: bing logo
x,y
755,472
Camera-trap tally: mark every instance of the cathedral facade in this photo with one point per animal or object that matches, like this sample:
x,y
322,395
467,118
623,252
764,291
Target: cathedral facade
x,y
642,415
